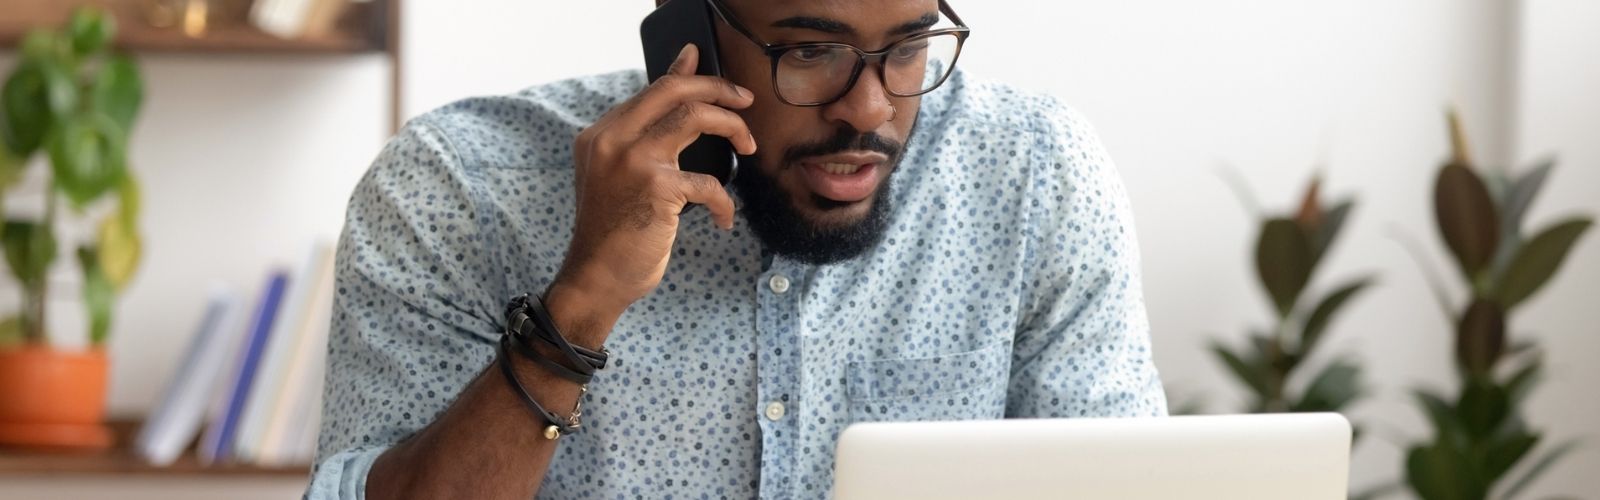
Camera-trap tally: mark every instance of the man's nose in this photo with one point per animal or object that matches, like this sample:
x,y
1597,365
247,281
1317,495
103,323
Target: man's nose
x,y
866,107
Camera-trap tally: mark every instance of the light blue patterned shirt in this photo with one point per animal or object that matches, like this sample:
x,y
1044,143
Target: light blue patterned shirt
x,y
1007,285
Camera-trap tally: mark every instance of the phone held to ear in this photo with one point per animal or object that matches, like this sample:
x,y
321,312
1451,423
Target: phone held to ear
x,y
664,33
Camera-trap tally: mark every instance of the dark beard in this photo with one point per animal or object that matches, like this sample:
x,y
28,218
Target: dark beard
x,y
781,227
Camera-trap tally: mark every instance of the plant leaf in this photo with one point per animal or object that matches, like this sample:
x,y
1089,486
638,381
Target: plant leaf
x,y
1240,188
1337,386
1466,218
11,165
1252,373
1484,407
1480,337
1429,276
88,156
30,247
1283,262
1460,151
1514,205
129,200
1538,260
118,91
1506,452
120,249
1322,315
1440,472
1544,462
1443,416
1310,215
1521,383
1328,231
90,29
98,295
27,112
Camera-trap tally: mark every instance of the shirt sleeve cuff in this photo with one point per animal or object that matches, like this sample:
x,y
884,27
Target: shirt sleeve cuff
x,y
343,476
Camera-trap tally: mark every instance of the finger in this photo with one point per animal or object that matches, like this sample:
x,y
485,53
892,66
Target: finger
x,y
688,59
683,125
705,190
672,91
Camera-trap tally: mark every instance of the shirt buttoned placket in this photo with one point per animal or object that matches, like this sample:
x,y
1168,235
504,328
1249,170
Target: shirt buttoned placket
x,y
778,295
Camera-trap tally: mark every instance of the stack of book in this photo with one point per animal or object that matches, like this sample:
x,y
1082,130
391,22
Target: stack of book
x,y
251,376
297,18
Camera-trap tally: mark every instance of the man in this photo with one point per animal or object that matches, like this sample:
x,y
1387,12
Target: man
x,y
901,243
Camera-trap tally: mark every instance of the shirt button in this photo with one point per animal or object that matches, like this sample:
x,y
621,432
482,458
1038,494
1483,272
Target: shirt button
x,y
779,283
774,410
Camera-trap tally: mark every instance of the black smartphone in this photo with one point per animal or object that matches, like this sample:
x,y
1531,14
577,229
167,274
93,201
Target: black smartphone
x,y
664,33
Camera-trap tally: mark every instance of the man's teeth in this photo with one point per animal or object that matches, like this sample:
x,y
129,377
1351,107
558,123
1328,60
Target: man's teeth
x,y
839,168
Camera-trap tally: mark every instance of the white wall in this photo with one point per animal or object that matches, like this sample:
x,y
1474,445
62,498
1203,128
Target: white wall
x,y
1558,112
246,159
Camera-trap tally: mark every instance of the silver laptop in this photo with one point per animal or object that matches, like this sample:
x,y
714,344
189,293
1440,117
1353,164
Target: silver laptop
x,y
1234,457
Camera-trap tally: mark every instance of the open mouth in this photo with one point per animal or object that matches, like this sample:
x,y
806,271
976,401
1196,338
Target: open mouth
x,y
846,177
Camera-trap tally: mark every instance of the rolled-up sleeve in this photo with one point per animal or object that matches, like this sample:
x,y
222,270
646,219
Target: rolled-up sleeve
x,y
1082,348
416,305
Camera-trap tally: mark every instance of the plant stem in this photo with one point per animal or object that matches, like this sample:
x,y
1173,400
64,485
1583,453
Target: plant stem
x,y
1277,368
41,290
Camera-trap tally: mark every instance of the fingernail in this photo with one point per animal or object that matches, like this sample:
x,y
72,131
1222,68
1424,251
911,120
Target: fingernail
x,y
685,50
745,92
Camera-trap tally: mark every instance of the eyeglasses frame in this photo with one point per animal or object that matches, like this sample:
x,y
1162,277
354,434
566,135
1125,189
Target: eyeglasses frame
x,y
776,52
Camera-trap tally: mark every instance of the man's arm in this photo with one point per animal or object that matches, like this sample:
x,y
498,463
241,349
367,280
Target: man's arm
x,y
415,301
1083,343
415,317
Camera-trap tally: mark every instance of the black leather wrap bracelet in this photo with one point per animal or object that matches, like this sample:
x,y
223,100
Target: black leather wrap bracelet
x,y
528,324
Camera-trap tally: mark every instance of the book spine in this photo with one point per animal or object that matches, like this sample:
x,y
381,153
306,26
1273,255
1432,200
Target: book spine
x,y
262,325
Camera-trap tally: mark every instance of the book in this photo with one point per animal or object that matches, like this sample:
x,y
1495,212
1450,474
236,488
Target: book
x,y
283,343
295,418
177,418
216,445
292,335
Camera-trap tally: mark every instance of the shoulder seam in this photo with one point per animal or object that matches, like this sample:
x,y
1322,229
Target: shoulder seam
x,y
487,218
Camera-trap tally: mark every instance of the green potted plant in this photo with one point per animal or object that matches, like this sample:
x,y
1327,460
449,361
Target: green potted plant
x,y
1479,435
1273,363
71,100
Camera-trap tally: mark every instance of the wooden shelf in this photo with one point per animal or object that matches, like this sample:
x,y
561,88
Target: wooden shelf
x,y
121,461
363,28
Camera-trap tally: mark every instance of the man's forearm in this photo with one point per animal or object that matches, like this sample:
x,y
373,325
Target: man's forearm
x,y
487,444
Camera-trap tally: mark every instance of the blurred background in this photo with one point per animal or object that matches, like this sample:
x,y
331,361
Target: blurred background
x,y
247,147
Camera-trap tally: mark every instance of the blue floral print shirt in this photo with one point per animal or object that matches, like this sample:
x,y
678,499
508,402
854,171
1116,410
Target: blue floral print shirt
x,y
1007,285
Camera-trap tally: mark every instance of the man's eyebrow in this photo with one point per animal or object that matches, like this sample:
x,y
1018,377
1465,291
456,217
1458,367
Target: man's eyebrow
x,y
822,24
834,27
922,23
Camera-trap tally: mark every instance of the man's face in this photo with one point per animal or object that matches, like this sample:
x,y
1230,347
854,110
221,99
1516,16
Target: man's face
x,y
817,188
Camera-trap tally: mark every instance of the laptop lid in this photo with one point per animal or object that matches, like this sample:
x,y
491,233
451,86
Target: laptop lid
x,y
1235,457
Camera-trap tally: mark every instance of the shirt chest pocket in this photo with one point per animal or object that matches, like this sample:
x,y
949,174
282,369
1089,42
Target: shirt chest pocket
x,y
961,386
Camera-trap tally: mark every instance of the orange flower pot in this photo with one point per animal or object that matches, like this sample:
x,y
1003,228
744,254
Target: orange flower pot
x,y
53,399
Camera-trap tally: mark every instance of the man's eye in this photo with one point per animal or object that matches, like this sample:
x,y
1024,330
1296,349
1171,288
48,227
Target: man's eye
x,y
910,50
812,54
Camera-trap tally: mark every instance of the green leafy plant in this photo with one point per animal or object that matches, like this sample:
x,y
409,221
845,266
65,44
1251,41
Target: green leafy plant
x,y
1479,435
72,100
1272,364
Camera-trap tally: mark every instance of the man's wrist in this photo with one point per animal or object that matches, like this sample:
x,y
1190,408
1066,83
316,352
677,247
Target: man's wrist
x,y
583,318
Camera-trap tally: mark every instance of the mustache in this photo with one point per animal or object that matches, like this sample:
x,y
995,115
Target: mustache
x,y
845,139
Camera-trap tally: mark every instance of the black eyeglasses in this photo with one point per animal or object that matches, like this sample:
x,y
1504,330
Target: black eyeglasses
x,y
820,73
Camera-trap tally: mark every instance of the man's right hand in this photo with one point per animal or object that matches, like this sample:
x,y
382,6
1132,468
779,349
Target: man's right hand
x,y
630,191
